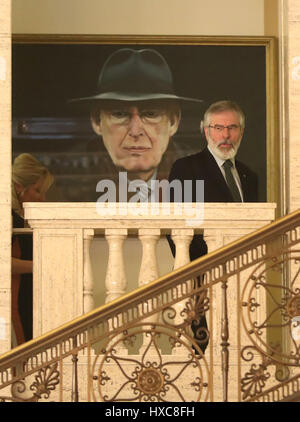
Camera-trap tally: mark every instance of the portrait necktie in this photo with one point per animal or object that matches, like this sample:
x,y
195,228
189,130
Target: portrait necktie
x,y
231,181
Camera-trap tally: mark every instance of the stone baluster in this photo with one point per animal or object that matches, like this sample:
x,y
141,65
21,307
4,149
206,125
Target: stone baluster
x,y
88,282
149,269
115,281
182,239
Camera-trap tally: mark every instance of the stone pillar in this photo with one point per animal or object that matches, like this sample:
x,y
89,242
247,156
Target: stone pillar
x,y
57,277
289,72
5,175
290,99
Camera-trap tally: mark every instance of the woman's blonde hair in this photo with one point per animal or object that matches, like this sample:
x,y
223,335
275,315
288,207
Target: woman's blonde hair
x,y
26,171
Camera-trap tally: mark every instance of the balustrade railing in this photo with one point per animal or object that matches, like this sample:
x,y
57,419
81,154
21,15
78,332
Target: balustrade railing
x,y
64,234
250,294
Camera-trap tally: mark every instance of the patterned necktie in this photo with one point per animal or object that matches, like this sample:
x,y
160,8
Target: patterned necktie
x,y
231,181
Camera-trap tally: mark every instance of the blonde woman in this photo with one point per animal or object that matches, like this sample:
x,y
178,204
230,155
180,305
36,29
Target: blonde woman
x,y
30,182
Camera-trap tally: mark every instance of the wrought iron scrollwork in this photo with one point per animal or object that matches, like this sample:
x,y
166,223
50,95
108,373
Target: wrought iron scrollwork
x,y
44,382
151,376
271,310
255,379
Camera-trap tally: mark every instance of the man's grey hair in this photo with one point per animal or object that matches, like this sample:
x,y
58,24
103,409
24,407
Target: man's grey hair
x,y
221,106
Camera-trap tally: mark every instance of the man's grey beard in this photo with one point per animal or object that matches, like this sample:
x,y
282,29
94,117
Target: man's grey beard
x,y
227,154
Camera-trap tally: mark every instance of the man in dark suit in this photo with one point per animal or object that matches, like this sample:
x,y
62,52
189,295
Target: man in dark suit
x,y
225,178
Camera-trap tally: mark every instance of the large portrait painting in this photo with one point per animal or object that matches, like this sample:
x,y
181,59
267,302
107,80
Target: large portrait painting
x,y
57,82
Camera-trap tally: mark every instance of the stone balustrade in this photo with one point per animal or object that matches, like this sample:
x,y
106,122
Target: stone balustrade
x,y
63,234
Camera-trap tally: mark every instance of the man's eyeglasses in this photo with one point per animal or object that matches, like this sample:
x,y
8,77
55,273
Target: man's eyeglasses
x,y
123,117
221,128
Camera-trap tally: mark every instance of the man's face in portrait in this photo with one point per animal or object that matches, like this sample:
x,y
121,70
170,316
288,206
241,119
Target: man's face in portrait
x,y
136,135
224,134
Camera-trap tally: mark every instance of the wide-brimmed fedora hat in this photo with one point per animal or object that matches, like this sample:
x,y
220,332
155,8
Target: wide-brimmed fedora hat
x,y
134,75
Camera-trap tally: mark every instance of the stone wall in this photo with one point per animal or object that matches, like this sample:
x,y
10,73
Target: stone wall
x,y
5,173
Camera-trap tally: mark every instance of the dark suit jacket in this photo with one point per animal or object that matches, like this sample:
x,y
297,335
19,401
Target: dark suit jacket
x,y
203,166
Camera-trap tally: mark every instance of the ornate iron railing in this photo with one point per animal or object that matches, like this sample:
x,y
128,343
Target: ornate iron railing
x,y
114,354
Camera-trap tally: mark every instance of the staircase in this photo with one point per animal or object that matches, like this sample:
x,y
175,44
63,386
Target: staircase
x,y
139,346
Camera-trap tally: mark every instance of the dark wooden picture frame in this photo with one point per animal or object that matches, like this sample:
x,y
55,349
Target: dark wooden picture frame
x,y
50,70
